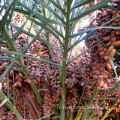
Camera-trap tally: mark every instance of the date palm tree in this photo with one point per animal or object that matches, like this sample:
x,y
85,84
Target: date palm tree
x,y
57,17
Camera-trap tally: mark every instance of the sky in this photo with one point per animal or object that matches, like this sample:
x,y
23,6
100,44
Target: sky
x,y
3,12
